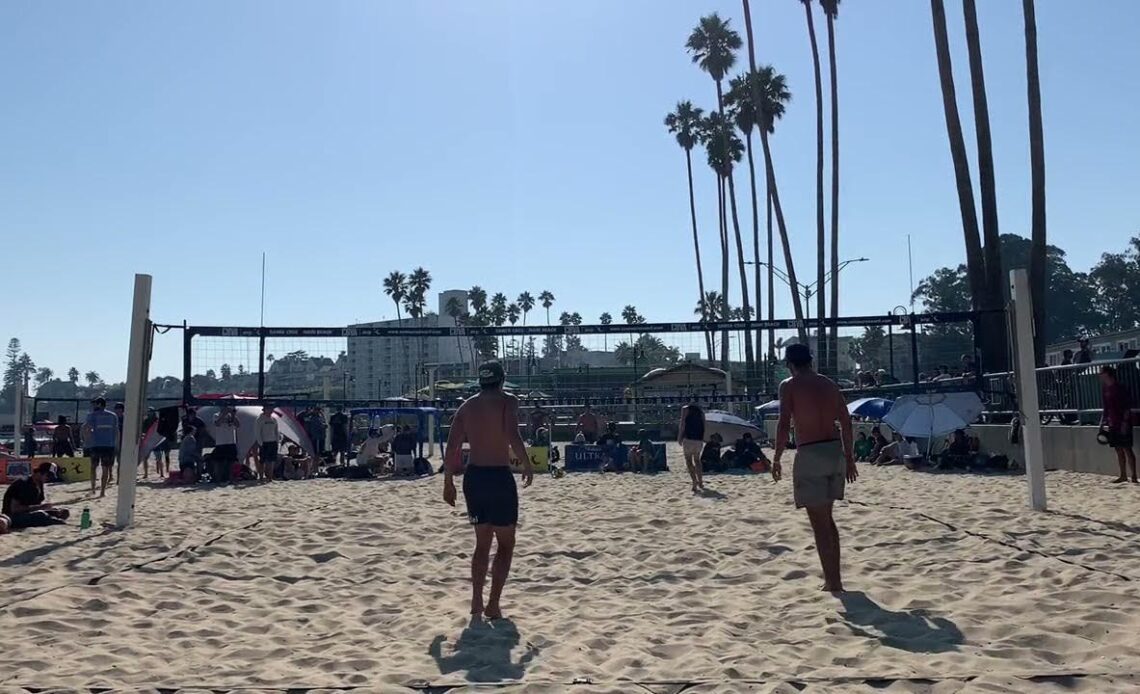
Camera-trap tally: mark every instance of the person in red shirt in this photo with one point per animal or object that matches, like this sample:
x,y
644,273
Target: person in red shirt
x,y
1116,422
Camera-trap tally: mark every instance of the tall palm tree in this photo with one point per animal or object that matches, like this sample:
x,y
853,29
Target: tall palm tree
x,y
991,238
711,305
821,229
774,96
831,10
478,298
73,375
725,149
605,319
713,45
684,123
771,90
499,317
514,313
739,97
396,287
547,300
1037,264
419,282
455,311
975,261
526,303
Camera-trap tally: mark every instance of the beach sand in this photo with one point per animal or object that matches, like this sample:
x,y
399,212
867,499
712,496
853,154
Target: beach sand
x,y
617,580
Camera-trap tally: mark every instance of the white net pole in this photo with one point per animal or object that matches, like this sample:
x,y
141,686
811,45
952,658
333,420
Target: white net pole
x,y
1027,388
136,383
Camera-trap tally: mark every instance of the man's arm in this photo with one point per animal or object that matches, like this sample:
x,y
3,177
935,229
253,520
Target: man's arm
x,y
845,435
783,427
517,443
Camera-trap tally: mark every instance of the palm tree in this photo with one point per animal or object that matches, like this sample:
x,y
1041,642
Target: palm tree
x,y
478,298
547,300
92,378
455,311
724,150
831,10
605,319
513,315
975,261
43,375
821,231
73,375
499,317
710,305
991,246
419,282
396,287
1037,264
526,303
684,123
713,45
743,111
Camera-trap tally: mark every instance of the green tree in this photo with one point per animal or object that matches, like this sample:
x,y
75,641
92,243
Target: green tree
x,y
92,378
12,370
684,123
743,112
73,375
605,319
419,282
43,375
648,351
455,311
226,372
867,349
1116,278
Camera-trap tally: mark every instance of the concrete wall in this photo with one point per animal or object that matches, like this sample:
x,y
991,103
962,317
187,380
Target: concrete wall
x,y
1066,447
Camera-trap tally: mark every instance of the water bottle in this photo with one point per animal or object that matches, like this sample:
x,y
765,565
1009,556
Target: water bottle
x,y
85,519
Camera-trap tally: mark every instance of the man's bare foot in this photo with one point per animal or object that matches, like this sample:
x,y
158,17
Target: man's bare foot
x,y
477,605
828,588
1135,481
493,611
1118,480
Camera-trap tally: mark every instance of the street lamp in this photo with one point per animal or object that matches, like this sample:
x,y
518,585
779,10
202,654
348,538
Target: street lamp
x,y
807,291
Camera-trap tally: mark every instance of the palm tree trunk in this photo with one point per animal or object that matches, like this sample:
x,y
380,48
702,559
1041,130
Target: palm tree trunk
x,y
755,247
990,233
791,268
1037,250
975,261
697,244
821,231
745,303
833,350
402,345
724,356
771,279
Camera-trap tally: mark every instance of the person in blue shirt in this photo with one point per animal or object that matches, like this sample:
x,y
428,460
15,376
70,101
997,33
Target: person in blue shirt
x,y
100,439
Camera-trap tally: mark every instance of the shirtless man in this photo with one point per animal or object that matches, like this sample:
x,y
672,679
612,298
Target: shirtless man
x,y
825,459
487,422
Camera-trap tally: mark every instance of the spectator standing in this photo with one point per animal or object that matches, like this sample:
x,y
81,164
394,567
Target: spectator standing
x,y
537,421
29,446
189,455
1116,423
315,428
1084,354
338,428
225,452
268,443
100,437
589,425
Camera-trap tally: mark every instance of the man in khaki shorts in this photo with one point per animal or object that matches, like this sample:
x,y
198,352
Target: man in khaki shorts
x,y
825,461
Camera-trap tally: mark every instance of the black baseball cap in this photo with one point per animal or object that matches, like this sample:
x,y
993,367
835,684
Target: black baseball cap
x,y
491,373
101,402
797,354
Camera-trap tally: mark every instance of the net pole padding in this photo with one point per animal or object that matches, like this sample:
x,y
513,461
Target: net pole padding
x,y
1026,366
137,357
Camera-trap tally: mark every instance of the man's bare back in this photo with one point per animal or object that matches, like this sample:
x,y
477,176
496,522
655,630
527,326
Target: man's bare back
x,y
815,406
488,422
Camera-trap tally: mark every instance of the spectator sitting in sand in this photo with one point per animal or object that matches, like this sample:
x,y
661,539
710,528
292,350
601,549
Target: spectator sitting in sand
x,y
369,453
641,456
24,504
298,465
189,456
863,447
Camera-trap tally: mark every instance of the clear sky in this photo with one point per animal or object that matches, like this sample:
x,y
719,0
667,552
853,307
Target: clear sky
x,y
511,144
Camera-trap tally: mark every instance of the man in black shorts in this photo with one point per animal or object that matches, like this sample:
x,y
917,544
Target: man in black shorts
x,y
100,441
488,423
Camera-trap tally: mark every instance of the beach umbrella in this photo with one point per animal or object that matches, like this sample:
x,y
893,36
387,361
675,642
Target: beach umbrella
x,y
768,409
729,426
929,415
871,408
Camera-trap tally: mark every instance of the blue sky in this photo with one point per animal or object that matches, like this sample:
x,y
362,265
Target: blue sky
x,y
516,145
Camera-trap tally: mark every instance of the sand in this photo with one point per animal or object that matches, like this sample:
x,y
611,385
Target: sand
x,y
621,583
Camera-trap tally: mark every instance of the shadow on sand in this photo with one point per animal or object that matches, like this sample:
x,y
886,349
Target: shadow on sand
x,y
483,650
913,631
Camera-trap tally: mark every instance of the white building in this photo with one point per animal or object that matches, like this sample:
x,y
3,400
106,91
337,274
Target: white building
x,y
385,367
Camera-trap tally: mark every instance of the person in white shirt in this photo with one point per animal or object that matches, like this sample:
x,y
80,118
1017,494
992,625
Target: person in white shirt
x,y
225,454
268,442
369,451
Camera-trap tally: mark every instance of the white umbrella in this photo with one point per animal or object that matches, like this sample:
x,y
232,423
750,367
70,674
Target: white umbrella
x,y
729,426
929,415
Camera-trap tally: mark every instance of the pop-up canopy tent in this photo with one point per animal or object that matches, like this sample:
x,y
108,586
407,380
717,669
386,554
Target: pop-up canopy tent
x,y
287,425
427,422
